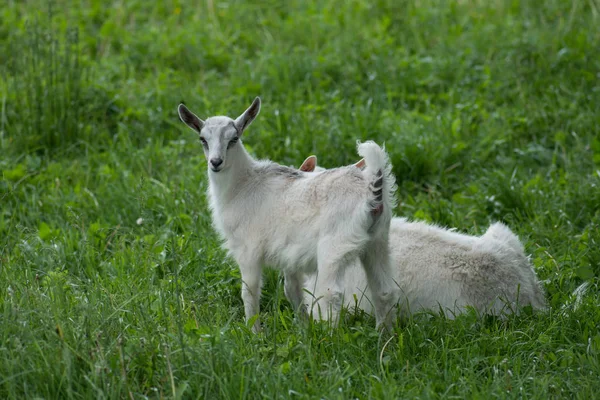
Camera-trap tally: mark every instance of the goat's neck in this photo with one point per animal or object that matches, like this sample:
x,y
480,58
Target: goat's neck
x,y
224,184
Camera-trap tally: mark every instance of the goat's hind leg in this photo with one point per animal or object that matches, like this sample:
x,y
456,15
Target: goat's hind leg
x,y
328,295
384,290
294,291
332,261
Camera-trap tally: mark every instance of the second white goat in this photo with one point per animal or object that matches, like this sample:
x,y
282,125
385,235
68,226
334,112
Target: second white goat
x,y
437,269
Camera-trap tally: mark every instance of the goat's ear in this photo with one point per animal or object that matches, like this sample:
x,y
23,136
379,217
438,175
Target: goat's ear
x,y
248,116
361,164
189,118
309,164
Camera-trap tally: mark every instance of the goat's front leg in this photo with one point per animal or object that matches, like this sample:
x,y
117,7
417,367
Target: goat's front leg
x,y
294,291
251,282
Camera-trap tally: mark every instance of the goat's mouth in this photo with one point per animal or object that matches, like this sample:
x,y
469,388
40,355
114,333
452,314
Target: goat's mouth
x,y
213,169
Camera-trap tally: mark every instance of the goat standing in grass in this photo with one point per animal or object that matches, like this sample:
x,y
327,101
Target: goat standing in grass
x,y
269,214
437,269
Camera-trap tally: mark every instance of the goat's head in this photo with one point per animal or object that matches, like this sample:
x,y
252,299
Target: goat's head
x,y
310,165
219,135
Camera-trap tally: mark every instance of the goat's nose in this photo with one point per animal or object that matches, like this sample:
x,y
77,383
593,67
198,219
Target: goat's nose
x,y
216,162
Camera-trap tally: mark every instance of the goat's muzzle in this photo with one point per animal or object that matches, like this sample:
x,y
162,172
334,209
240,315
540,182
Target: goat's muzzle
x,y
215,164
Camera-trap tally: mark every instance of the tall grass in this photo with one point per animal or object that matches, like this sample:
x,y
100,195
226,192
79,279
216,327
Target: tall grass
x,y
46,82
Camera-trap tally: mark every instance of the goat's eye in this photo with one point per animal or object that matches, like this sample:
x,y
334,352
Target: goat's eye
x,y
204,143
232,142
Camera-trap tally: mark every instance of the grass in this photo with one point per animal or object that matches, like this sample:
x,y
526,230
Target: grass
x,y
112,281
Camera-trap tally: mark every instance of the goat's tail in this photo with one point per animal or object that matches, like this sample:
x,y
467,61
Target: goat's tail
x,y
502,233
498,232
382,183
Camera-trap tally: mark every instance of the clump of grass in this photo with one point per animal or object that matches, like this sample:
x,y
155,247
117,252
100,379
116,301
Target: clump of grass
x,y
46,80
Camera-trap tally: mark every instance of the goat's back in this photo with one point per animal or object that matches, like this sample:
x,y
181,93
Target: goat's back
x,y
490,272
280,215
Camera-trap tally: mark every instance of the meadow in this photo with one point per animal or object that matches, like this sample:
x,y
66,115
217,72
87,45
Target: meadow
x,y
112,281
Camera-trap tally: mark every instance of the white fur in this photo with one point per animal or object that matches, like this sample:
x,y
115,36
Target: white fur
x,y
437,269
298,222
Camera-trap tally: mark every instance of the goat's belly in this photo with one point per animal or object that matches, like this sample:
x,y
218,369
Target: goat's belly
x,y
293,257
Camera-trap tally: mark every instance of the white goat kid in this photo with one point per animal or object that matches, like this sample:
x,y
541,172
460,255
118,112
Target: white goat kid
x,y
298,222
437,269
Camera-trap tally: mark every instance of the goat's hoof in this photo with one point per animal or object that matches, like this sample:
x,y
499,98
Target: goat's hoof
x,y
256,328
385,324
